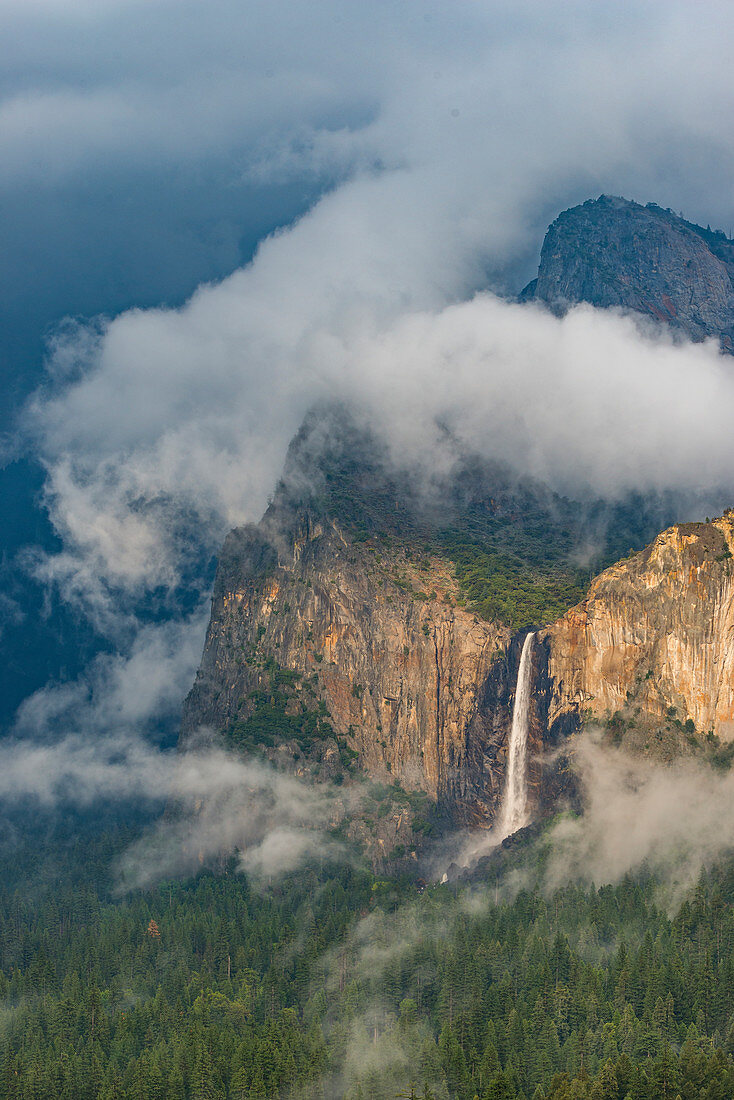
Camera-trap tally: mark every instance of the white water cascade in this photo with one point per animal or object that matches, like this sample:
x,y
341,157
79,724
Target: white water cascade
x,y
514,814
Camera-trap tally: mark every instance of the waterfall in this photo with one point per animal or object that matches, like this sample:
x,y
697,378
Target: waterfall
x,y
514,813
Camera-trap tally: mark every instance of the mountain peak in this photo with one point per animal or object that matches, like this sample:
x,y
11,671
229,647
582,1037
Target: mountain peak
x,y
614,252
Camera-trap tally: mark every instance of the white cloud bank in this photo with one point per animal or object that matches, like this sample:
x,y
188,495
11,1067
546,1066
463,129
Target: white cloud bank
x,y
166,427
179,430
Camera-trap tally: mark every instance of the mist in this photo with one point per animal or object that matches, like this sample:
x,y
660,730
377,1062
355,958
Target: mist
x,y
217,803
107,741
670,822
272,822
673,820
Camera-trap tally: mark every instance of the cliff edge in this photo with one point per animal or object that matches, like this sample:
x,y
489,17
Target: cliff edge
x,y
654,637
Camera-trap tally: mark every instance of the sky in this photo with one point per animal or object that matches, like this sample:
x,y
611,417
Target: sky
x,y
219,214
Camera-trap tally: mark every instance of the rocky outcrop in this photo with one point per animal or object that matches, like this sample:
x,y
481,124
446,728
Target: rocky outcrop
x,y
655,636
415,684
612,252
421,689
335,596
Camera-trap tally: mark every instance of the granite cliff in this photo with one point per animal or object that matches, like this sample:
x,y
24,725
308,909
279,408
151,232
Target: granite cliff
x,y
377,644
352,631
408,687
614,253
359,630
654,638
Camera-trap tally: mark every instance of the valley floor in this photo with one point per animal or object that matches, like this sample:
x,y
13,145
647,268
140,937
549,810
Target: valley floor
x,y
332,983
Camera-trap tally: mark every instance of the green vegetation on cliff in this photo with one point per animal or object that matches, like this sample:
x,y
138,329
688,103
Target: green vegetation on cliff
x,y
501,586
284,708
523,567
523,554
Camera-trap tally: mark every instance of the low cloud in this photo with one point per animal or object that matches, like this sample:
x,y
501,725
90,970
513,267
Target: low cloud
x,y
588,402
97,741
136,689
671,819
78,771
217,803
221,804
161,429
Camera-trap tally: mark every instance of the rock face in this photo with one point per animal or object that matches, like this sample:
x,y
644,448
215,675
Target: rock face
x,y
416,685
655,635
370,634
611,252
422,690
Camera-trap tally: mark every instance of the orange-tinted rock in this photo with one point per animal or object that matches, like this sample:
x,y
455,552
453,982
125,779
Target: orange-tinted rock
x,y
402,669
655,632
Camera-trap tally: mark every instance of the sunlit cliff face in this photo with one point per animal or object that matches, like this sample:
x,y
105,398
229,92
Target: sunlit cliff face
x,y
654,634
